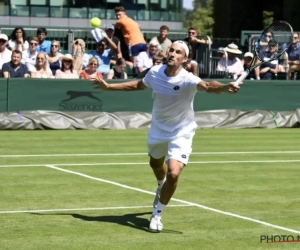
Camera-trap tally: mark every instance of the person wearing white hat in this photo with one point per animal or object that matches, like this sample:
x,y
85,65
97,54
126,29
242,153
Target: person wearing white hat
x,y
5,54
173,121
234,64
67,70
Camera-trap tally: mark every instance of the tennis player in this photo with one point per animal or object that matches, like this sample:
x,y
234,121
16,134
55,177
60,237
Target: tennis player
x,y
173,125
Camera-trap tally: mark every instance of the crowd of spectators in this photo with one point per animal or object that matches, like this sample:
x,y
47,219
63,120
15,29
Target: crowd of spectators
x,y
123,52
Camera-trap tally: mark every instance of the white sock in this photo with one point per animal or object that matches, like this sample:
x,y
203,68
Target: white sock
x,y
160,183
159,209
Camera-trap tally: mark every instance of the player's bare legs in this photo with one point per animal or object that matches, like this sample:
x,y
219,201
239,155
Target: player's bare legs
x,y
174,169
159,168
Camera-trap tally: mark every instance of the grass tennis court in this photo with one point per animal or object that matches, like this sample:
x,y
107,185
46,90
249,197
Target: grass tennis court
x,y
94,190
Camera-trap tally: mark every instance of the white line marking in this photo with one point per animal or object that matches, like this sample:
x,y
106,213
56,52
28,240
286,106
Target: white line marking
x,y
136,154
82,209
144,163
174,199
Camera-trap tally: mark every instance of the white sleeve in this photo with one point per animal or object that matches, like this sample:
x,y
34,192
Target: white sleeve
x,y
26,45
139,60
221,66
147,78
193,80
11,44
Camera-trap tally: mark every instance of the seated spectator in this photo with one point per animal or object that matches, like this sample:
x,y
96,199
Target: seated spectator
x,y
5,53
81,58
18,40
267,70
157,60
221,52
41,68
194,41
103,55
44,45
53,57
67,68
246,61
293,53
91,70
14,68
118,72
191,65
29,56
163,40
234,64
144,59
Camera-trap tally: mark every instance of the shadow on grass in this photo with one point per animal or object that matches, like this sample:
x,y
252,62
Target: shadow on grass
x,y
130,220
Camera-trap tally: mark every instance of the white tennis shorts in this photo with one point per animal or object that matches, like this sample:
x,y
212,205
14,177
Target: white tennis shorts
x,y
178,148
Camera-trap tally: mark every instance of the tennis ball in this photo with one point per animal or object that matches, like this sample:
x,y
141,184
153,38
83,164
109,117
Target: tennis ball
x,y
95,22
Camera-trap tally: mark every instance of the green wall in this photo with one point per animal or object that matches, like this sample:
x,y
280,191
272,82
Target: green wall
x,y
80,95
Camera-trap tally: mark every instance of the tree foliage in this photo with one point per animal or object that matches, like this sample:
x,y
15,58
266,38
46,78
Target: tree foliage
x,y
202,17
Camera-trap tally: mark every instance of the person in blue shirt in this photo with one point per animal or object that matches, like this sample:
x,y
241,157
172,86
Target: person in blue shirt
x,y
293,53
267,70
104,55
44,45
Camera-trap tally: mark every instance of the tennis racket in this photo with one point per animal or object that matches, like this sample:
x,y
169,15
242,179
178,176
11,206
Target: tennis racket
x,y
278,34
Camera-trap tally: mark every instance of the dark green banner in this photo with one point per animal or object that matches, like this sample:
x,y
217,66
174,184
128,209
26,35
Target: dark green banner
x,y
3,95
80,95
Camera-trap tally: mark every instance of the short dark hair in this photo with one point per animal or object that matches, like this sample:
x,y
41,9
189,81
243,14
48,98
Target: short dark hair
x,y
16,51
41,30
119,8
120,61
164,27
192,28
157,58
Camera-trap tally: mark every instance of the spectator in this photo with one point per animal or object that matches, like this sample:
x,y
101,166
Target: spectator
x,y
5,53
41,68
194,41
44,45
234,64
91,70
53,57
81,58
131,32
103,54
67,68
293,52
18,40
157,60
14,68
221,52
144,59
267,70
246,61
119,71
29,56
163,39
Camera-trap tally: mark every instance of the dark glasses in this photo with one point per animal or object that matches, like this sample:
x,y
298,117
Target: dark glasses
x,y
2,41
33,44
67,61
40,58
192,33
94,64
54,45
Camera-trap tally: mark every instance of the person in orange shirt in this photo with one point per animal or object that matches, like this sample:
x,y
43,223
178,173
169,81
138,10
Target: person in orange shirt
x,y
132,34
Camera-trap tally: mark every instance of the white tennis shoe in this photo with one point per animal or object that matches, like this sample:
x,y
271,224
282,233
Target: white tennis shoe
x,y
156,198
155,223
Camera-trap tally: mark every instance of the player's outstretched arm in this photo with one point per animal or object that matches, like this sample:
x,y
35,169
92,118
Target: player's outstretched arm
x,y
217,87
126,86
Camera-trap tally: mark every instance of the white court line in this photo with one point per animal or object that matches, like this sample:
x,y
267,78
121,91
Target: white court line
x,y
136,154
143,163
81,209
178,200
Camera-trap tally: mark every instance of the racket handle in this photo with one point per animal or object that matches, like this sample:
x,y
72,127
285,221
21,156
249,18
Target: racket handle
x,y
241,78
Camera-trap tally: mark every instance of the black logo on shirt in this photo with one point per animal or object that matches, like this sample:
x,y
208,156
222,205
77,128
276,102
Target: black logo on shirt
x,y
176,88
183,156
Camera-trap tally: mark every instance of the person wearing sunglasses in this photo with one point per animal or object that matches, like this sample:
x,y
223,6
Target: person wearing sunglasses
x,y
29,56
91,70
5,53
194,41
41,68
53,57
67,68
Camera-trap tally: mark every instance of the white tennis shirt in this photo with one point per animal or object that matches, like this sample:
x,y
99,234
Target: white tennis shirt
x,y
173,112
